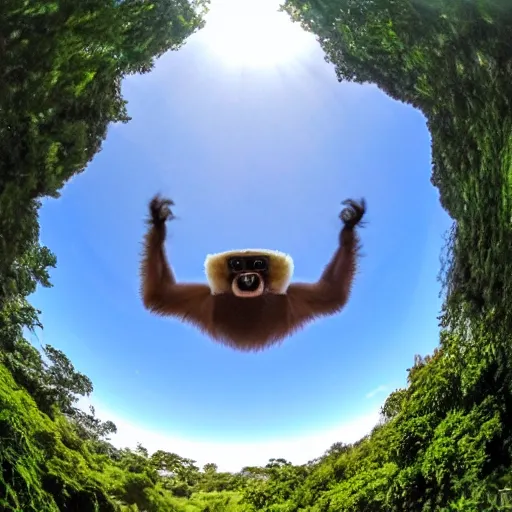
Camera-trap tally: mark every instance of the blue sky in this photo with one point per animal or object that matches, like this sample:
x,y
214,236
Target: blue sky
x,y
257,150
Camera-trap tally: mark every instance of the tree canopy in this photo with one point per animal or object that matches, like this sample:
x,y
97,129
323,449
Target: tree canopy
x,y
61,67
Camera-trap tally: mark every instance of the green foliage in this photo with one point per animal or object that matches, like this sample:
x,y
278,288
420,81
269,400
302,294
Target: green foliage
x,y
44,465
61,67
452,59
63,463
226,501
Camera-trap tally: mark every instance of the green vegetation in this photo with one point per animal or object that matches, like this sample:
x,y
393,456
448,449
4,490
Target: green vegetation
x,y
445,442
61,67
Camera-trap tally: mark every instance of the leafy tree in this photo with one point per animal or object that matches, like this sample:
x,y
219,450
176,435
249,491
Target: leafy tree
x,y
210,467
61,68
393,404
91,428
44,466
453,61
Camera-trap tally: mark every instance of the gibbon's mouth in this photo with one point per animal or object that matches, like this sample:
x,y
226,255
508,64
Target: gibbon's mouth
x,y
248,284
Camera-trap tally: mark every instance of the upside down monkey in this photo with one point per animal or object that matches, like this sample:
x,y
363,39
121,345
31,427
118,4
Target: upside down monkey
x,y
249,302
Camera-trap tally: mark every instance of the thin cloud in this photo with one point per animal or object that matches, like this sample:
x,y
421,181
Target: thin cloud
x,y
376,391
234,456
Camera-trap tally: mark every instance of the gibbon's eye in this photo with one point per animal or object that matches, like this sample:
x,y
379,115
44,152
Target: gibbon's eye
x,y
236,264
259,265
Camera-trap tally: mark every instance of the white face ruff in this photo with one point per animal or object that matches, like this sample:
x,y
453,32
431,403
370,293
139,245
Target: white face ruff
x,y
280,270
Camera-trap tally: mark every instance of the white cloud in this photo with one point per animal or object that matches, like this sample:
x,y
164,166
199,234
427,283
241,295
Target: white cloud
x,y
233,456
376,391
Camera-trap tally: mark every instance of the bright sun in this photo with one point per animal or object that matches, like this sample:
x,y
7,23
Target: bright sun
x,y
253,33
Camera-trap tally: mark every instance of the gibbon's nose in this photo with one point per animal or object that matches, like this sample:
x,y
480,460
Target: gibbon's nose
x,y
249,282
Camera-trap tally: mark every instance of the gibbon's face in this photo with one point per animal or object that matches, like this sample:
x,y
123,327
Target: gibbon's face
x,y
248,275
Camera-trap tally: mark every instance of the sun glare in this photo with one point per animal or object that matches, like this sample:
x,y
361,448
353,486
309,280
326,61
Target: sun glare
x,y
253,33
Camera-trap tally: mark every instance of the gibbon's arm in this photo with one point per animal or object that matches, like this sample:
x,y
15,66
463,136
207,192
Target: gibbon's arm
x,y
331,292
160,292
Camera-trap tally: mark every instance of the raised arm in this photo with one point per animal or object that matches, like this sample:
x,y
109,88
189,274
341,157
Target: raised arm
x,y
160,292
331,292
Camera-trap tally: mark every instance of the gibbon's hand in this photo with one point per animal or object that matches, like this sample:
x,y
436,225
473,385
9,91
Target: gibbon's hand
x,y
247,322
160,211
352,215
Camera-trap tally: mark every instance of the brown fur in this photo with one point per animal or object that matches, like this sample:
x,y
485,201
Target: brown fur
x,y
247,323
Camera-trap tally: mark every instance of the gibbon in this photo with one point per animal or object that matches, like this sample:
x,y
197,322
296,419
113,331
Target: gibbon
x,y
249,303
